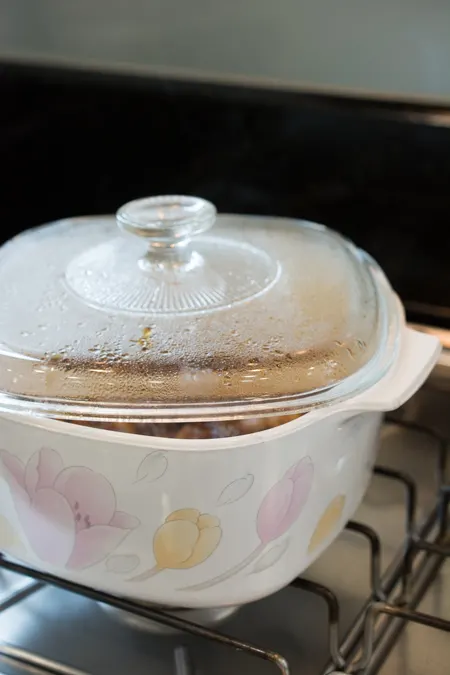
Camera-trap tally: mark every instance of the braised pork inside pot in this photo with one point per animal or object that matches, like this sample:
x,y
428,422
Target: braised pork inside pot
x,y
195,430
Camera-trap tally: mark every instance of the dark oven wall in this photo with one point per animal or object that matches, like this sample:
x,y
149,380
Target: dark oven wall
x,y
74,144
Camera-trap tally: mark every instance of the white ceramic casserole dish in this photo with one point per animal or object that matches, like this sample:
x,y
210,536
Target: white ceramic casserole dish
x,y
260,317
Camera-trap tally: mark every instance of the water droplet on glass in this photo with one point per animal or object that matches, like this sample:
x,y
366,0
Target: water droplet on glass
x,y
253,363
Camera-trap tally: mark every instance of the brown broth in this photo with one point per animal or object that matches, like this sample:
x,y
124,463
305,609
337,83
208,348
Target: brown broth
x,y
195,430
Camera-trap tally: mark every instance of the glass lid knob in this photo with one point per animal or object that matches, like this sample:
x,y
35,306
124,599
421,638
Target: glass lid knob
x,y
167,267
166,222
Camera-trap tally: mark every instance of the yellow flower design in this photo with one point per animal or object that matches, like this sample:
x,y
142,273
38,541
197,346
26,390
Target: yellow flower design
x,y
328,522
185,539
9,538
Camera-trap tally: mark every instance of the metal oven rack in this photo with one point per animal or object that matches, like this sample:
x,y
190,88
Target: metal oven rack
x,y
394,596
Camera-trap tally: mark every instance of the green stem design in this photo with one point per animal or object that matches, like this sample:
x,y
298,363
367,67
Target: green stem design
x,y
148,574
229,573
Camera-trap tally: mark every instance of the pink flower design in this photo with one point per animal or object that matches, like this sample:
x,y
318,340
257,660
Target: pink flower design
x,y
68,514
283,503
277,512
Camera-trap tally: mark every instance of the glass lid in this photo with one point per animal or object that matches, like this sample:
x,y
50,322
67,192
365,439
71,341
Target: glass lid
x,y
169,313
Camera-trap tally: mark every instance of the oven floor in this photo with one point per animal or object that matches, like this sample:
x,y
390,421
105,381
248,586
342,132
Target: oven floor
x,y
421,650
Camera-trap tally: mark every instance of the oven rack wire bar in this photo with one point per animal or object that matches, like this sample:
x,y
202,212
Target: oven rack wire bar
x,y
394,596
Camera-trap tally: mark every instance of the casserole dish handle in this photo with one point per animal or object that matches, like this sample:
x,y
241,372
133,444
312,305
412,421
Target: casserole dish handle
x,y
418,354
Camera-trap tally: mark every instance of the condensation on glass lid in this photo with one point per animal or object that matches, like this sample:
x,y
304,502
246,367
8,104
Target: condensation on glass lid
x,y
260,368
133,323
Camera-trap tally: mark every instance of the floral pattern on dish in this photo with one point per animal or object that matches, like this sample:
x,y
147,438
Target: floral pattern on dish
x,y
278,511
328,523
9,538
185,539
68,514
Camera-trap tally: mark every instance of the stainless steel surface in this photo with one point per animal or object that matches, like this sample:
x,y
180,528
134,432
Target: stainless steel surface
x,y
391,48
60,626
420,649
205,617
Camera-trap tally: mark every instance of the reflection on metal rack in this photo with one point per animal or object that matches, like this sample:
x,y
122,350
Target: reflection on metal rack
x,y
394,596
